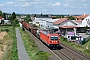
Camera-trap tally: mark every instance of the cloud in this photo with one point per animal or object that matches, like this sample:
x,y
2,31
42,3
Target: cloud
x,y
66,4
45,6
72,6
25,4
84,4
31,3
2,4
9,2
44,10
56,4
35,2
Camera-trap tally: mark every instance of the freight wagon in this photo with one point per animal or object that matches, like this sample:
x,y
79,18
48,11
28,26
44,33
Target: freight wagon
x,y
52,40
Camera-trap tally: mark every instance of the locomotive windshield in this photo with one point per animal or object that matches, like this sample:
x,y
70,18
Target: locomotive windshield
x,y
54,37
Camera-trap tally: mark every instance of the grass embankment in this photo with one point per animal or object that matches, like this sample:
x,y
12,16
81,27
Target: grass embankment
x,y
11,43
33,52
82,48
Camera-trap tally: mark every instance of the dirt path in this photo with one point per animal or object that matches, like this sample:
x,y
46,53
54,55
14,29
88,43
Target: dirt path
x,y
2,46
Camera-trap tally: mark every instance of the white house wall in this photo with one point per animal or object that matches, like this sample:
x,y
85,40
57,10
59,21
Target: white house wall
x,y
49,24
85,22
0,21
68,23
43,21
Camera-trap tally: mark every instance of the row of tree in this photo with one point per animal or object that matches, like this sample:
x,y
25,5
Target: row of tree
x,y
62,16
3,14
27,18
12,18
14,21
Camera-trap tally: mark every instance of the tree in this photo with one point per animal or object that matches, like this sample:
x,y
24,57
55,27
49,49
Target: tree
x,y
27,18
13,19
62,16
13,16
41,14
71,17
0,13
15,22
4,15
2,21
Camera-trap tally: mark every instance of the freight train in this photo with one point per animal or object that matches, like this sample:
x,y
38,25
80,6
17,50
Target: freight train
x,y
52,40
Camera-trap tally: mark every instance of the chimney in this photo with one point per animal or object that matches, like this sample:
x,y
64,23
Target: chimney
x,y
84,14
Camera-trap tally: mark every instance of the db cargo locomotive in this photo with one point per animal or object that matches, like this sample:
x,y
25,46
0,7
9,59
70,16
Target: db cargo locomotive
x,y
52,40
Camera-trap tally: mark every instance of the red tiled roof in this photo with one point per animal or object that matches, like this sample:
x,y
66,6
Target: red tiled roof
x,y
67,26
60,20
0,17
78,20
83,16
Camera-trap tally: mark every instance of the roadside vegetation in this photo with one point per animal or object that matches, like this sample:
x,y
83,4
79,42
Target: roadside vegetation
x,y
9,40
33,52
83,48
8,44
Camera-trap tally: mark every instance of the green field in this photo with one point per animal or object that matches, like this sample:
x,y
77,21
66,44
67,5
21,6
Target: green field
x,y
82,48
33,52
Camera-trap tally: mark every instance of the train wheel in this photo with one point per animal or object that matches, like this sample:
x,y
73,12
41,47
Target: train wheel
x,y
29,29
49,47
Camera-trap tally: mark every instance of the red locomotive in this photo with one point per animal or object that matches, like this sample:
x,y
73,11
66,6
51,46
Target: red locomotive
x,y
50,39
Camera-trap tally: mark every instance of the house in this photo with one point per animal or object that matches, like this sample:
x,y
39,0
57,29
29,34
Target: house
x,y
67,27
7,22
82,17
0,18
82,21
64,22
8,15
43,21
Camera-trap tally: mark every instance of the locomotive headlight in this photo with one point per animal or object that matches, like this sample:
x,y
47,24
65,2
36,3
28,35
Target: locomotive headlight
x,y
56,41
52,41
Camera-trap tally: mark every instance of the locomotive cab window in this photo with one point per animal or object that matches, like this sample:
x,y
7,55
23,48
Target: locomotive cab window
x,y
54,37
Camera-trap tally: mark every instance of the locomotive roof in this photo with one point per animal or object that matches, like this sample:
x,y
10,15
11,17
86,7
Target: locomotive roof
x,y
45,32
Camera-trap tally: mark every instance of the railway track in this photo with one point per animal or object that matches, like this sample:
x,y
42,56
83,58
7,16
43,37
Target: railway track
x,y
62,55
67,53
59,55
74,54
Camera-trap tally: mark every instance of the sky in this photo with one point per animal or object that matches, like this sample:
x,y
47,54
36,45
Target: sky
x,y
45,6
